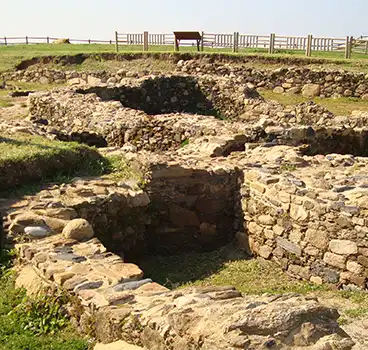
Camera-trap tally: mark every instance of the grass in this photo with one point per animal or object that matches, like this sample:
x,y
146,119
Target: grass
x,y
12,55
22,317
7,101
118,168
338,106
228,266
28,159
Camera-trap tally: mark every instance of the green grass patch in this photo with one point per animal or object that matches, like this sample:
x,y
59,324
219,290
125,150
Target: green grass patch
x,y
20,85
223,267
12,55
33,324
338,106
26,160
5,100
118,168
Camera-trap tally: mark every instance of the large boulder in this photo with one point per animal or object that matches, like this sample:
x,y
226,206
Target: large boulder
x,y
78,229
311,90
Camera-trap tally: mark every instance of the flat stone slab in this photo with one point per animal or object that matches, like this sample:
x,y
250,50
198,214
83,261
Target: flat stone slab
x,y
119,345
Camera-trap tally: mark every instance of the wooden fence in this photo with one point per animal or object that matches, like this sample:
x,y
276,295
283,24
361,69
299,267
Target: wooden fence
x,y
234,41
237,42
47,40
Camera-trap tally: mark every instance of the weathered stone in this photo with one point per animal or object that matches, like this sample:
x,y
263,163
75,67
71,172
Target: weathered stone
x,y
61,278
343,247
93,80
28,279
78,229
127,272
298,213
278,90
56,225
119,345
317,280
363,260
335,260
311,90
254,228
37,231
318,238
354,267
289,246
265,252
266,220
297,270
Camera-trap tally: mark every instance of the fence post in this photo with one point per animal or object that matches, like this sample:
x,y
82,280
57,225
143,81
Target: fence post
x,y
236,42
308,51
26,40
202,41
48,40
5,42
145,41
271,48
351,46
366,47
347,48
116,42
89,41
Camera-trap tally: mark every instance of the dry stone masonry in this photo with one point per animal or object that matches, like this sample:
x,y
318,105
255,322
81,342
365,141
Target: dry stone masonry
x,y
293,80
117,302
219,163
279,186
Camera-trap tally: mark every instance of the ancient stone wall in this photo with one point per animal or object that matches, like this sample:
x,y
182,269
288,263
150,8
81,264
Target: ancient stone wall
x,y
331,83
112,300
292,80
311,222
192,210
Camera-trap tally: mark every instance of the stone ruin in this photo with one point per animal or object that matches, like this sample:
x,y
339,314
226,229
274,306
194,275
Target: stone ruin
x,y
219,164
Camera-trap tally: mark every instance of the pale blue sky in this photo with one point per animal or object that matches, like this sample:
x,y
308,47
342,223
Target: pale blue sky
x,y
98,19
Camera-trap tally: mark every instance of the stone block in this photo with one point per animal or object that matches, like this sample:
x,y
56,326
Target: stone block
x,y
316,280
265,252
255,228
266,220
317,238
335,260
303,272
354,267
61,278
278,230
311,90
343,247
289,246
363,260
298,213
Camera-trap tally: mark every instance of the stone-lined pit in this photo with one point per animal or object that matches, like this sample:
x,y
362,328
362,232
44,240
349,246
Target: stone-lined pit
x,y
211,180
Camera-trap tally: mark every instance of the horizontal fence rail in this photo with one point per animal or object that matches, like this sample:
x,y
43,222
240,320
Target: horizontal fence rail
x,y
47,40
235,41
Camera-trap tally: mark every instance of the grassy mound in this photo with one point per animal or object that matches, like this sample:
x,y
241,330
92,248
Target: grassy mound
x,y
28,159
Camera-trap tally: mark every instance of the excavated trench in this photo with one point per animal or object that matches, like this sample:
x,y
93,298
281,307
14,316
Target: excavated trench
x,y
190,211
161,95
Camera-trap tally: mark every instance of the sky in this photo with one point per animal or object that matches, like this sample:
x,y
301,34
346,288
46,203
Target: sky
x,y
99,19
